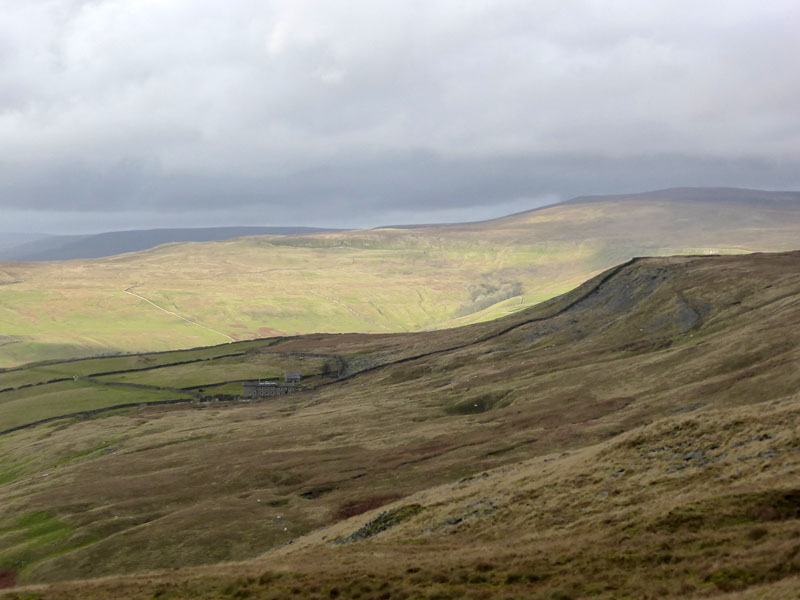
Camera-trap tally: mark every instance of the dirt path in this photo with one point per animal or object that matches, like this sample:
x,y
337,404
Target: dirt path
x,y
169,312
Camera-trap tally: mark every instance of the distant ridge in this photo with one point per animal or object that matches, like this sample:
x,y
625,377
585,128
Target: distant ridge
x,y
697,194
782,199
70,247
12,240
377,280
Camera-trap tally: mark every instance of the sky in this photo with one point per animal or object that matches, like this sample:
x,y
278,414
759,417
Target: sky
x,y
122,114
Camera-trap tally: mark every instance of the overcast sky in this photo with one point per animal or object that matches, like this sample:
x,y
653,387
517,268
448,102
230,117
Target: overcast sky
x,y
118,114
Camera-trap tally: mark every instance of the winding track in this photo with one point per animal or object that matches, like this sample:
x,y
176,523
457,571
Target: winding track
x,y
174,314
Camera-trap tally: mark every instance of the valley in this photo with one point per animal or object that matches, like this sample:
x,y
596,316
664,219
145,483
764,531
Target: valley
x,y
383,280
399,301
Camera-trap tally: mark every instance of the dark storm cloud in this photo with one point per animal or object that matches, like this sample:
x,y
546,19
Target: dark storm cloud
x,y
299,111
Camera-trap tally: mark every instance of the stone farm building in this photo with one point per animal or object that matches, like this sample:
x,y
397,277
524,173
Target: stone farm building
x,y
260,389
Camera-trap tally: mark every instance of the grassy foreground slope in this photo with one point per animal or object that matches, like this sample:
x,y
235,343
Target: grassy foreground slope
x,y
637,437
381,280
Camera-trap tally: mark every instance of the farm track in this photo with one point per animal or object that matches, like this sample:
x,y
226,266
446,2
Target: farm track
x,y
174,314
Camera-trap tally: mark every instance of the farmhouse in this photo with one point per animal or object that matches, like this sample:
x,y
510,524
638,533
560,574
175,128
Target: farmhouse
x,y
292,377
259,388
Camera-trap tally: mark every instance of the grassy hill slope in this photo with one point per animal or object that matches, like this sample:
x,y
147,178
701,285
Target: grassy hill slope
x,y
635,437
383,280
69,247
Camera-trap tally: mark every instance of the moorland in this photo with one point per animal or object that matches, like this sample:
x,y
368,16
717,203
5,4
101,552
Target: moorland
x,y
384,280
634,437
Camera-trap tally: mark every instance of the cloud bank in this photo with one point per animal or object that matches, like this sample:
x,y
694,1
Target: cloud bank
x,y
132,113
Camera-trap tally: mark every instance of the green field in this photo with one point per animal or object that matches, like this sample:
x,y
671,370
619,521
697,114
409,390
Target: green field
x,y
384,280
46,371
40,392
33,404
254,366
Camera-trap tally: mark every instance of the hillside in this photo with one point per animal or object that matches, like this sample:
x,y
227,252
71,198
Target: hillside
x,y
635,437
98,245
379,281
10,240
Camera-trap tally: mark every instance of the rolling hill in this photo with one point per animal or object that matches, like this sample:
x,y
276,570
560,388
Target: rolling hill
x,y
635,437
379,280
10,240
98,245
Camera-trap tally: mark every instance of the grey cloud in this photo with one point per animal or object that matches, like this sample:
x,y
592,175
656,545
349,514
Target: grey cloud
x,y
292,108
410,188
